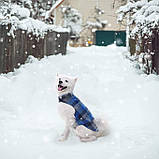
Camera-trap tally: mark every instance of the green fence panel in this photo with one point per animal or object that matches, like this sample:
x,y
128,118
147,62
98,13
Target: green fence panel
x,y
104,38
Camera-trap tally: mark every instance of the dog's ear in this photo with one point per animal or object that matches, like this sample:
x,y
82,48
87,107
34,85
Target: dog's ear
x,y
57,74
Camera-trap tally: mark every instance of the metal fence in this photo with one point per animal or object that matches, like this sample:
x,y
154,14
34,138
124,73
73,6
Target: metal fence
x,y
15,51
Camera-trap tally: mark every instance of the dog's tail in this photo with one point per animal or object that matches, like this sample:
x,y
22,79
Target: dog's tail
x,y
102,127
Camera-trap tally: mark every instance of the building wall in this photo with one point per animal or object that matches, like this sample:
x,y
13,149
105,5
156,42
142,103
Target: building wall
x,y
86,8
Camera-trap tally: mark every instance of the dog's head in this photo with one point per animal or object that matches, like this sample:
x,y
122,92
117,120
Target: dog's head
x,y
65,84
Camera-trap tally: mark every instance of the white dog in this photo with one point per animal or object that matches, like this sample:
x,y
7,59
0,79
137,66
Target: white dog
x,y
76,115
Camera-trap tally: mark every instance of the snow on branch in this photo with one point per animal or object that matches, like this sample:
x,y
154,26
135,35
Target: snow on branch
x,y
19,18
144,14
97,23
56,4
72,20
131,7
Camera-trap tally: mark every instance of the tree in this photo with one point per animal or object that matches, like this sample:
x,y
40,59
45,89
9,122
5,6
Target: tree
x,y
144,15
96,22
72,20
123,2
37,8
144,22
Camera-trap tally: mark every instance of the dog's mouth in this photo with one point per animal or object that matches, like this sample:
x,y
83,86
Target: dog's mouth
x,y
61,88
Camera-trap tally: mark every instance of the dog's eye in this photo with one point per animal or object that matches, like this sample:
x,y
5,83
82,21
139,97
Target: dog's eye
x,y
66,81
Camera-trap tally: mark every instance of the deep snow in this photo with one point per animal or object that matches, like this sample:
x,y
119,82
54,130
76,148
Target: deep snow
x,y
107,84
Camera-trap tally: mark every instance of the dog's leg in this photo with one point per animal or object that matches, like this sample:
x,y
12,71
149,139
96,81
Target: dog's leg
x,y
88,139
65,134
69,124
85,134
67,113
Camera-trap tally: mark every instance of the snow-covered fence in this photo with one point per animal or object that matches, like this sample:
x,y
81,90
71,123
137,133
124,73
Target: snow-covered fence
x,y
14,50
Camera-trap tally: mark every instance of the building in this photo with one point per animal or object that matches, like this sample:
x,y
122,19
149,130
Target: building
x,y
87,8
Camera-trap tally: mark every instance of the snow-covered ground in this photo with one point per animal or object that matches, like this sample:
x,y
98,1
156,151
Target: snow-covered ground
x,y
107,84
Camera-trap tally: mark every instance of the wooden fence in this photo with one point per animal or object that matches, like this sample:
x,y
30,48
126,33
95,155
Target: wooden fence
x,y
154,48
150,46
15,51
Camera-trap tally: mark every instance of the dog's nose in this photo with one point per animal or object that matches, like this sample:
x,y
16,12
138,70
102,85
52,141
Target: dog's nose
x,y
60,82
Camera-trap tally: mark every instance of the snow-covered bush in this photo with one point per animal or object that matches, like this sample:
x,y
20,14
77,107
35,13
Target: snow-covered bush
x,y
144,16
19,17
19,12
72,20
38,8
96,22
92,24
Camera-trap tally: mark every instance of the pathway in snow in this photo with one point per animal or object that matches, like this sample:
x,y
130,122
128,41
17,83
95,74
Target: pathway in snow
x,y
107,84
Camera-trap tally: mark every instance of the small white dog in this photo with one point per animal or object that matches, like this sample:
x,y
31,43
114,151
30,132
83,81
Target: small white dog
x,y
76,115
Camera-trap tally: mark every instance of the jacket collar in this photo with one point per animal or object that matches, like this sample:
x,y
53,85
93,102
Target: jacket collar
x,y
64,97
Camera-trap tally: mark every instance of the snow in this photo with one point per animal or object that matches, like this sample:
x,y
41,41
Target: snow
x,y
19,18
131,5
107,84
38,27
31,25
20,11
94,24
72,20
29,2
144,13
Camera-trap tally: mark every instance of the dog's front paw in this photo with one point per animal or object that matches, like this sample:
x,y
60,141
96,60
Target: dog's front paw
x,y
62,138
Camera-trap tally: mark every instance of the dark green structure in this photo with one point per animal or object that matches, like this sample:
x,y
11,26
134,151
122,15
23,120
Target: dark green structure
x,y
104,38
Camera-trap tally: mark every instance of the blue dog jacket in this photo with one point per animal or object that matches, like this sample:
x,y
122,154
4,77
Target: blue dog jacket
x,y
82,115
